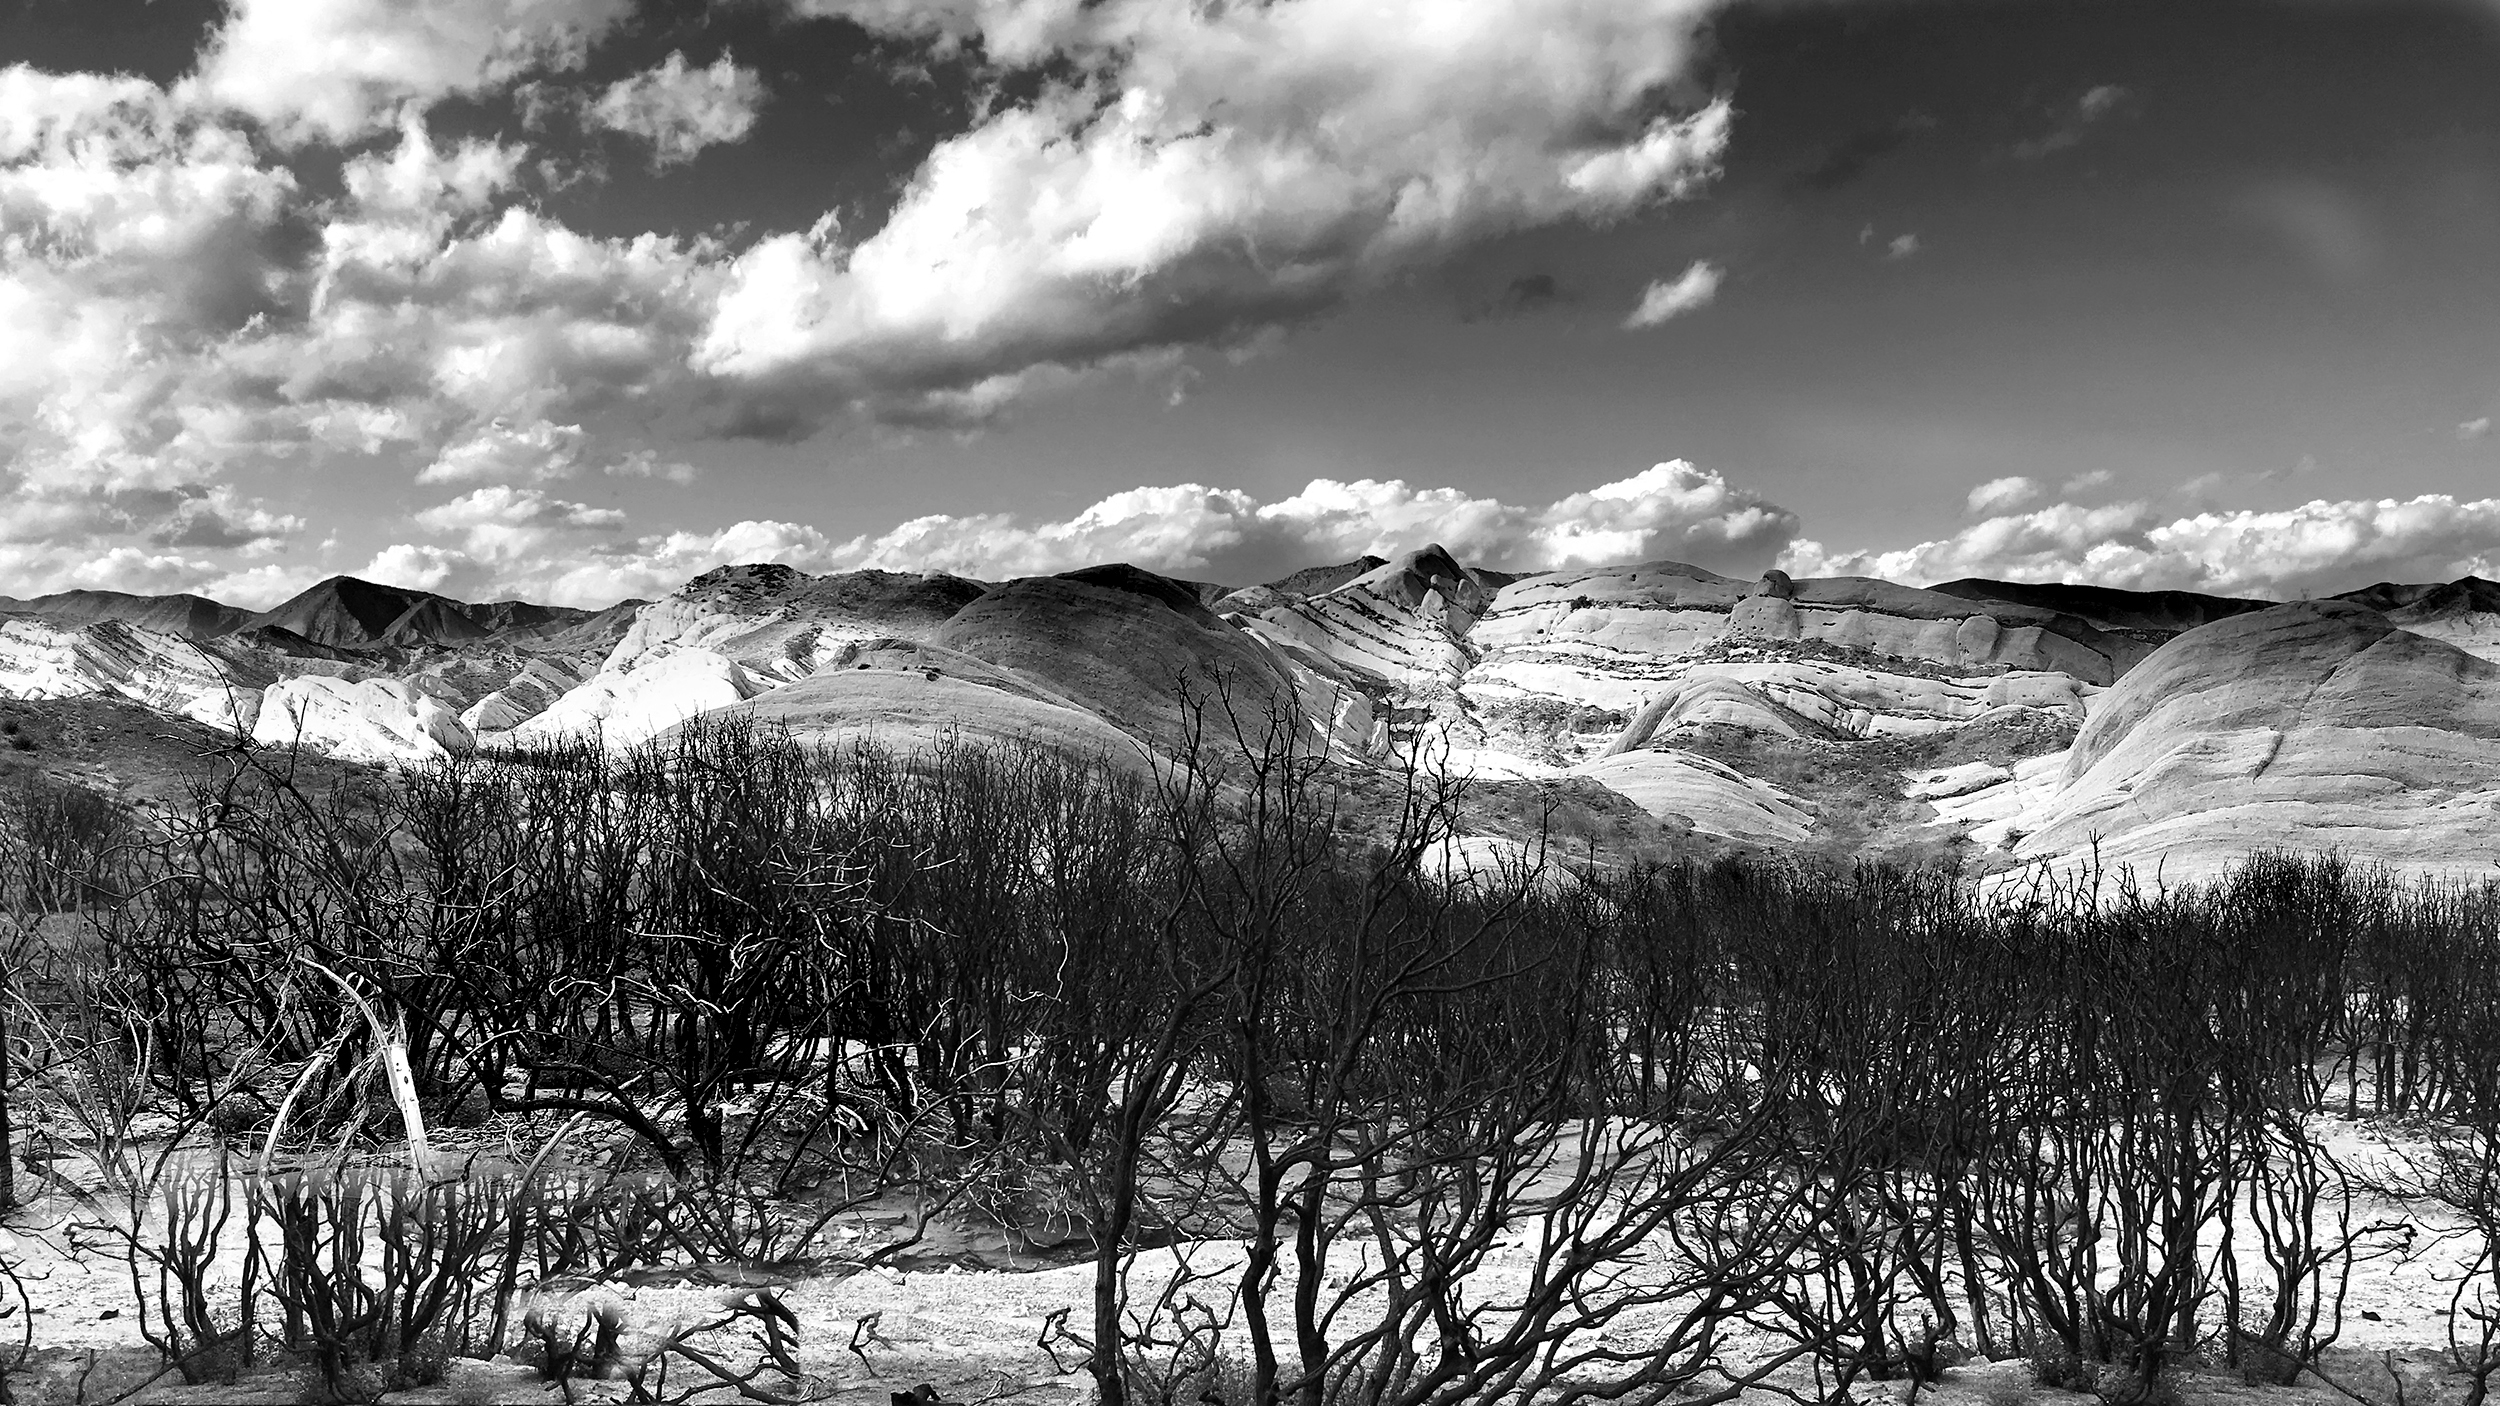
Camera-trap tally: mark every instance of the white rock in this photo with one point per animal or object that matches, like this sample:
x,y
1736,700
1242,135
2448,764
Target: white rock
x,y
371,720
1716,798
39,659
665,686
1941,782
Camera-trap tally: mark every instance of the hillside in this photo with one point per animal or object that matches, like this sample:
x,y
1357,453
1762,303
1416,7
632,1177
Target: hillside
x,y
1986,724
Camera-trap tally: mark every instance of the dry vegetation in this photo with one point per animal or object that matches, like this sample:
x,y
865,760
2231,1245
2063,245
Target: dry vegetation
x,y
358,1075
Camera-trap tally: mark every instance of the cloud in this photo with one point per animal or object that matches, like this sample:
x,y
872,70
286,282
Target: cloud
x,y
681,110
2089,481
2095,105
1670,510
1194,175
2475,428
337,70
218,518
420,567
647,463
504,525
1664,298
2320,545
1160,177
1999,495
508,541
499,452
1902,246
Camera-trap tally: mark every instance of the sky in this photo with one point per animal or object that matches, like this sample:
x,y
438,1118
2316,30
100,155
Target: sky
x,y
570,300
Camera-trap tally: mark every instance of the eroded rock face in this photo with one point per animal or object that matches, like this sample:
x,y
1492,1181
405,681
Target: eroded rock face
x,y
1715,798
665,686
43,659
2311,725
369,720
531,690
1404,623
2369,722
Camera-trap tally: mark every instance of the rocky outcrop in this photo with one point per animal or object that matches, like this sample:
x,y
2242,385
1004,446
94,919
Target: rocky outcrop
x,y
1713,797
911,697
1404,623
370,720
41,659
2315,725
530,691
664,687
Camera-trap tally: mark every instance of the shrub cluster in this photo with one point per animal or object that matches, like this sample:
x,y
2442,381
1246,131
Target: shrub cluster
x,y
1335,1124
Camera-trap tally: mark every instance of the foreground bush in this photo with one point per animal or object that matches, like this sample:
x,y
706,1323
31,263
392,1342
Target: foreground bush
x,y
764,985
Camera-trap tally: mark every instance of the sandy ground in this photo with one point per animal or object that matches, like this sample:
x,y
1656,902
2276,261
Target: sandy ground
x,y
976,1334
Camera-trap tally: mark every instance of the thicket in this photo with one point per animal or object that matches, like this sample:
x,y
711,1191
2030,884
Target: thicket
x,y
1334,1126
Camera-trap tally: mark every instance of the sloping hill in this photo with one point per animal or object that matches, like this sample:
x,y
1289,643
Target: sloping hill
x,y
346,613
1132,648
1838,716
192,617
909,697
2465,612
2312,725
2167,612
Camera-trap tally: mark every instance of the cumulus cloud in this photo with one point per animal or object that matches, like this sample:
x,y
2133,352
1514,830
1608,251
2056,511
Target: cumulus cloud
x,y
2318,545
681,110
1673,297
1670,510
2475,428
1998,495
1902,246
1199,173
520,541
500,452
337,70
421,567
182,311
503,524
647,463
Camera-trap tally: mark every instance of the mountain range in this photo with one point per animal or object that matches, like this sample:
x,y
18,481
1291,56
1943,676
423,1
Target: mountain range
x,y
1614,711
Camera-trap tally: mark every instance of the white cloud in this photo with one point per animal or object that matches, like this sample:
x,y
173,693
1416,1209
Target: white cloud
x,y
647,463
182,310
426,568
2475,428
1665,298
1901,247
499,452
337,70
521,542
138,572
1999,495
260,587
2317,545
1671,510
681,110
504,525
1201,173
2090,481
136,246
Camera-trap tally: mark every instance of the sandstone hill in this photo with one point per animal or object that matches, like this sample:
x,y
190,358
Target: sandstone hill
x,y
1618,710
